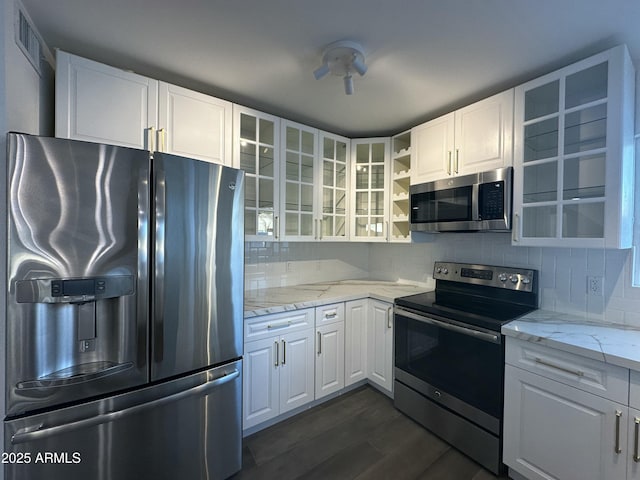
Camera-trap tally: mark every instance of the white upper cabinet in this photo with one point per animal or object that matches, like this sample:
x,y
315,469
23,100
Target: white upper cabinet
x,y
470,140
257,152
99,103
299,160
194,125
573,165
333,181
370,189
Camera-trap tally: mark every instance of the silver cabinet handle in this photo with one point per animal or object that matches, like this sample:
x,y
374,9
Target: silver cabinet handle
x,y
577,373
315,224
151,136
284,352
330,315
272,326
449,164
636,456
388,234
276,226
162,138
389,310
319,343
276,349
455,169
35,433
617,448
515,236
320,230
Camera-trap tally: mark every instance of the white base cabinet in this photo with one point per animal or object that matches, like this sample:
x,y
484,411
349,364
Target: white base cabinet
x,y
380,344
355,338
279,368
568,417
553,431
295,357
329,349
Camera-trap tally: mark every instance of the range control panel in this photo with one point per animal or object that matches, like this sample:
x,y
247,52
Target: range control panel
x,y
489,275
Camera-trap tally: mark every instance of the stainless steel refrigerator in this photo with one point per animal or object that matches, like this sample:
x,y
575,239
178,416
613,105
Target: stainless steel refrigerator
x,y
124,313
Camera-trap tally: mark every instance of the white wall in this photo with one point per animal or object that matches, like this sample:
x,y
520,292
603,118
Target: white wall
x,y
563,271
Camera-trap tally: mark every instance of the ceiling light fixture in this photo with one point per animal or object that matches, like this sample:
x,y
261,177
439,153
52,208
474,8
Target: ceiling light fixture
x,y
342,58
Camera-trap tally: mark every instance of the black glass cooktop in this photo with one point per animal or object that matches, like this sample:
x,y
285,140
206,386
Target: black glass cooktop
x,y
485,312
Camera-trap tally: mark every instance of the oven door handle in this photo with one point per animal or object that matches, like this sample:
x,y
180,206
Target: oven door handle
x,y
479,334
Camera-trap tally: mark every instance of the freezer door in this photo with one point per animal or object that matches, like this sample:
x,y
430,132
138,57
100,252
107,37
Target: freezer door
x,y
77,300
187,428
198,278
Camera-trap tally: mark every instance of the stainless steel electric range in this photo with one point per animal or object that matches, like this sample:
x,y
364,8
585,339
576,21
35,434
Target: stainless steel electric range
x,y
449,353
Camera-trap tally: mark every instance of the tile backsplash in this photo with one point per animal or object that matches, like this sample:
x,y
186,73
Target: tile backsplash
x,y
563,271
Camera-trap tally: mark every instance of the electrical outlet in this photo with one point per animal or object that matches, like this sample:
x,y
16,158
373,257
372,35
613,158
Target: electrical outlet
x,y
594,286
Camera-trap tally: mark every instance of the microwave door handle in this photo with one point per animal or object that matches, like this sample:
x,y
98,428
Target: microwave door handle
x,y
475,200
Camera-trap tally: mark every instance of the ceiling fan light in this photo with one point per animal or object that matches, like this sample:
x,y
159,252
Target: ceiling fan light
x,y
321,71
359,65
348,84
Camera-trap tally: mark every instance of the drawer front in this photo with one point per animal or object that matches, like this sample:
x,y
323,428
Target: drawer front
x,y
265,326
599,378
329,314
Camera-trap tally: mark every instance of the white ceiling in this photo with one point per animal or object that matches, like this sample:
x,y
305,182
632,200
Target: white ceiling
x,y
425,57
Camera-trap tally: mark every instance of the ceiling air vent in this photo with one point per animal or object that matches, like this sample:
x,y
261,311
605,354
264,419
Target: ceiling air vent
x,y
27,38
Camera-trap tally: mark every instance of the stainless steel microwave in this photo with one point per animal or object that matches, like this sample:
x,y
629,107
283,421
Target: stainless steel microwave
x,y
481,201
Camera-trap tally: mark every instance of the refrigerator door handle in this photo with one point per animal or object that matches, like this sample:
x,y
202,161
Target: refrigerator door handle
x,y
34,432
160,216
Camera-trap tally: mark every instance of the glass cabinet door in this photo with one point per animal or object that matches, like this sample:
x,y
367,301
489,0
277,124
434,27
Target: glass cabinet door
x,y
565,155
257,146
299,144
333,218
573,157
369,181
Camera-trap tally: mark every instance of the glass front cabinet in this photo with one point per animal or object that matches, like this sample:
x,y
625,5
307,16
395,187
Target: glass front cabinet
x,y
369,189
299,161
333,187
256,151
573,155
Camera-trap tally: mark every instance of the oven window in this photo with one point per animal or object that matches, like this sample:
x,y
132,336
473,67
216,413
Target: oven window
x,y
460,365
452,205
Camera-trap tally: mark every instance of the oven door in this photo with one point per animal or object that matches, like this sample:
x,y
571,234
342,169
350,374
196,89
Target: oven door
x,y
458,366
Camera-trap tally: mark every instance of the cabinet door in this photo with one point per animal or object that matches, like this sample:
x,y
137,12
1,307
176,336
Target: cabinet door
x,y
432,147
380,344
553,431
333,181
370,188
329,359
99,103
633,450
194,125
297,370
256,139
299,162
573,155
483,135
260,378
355,337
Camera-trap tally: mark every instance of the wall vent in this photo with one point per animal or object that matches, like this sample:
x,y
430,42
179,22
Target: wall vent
x,y
27,38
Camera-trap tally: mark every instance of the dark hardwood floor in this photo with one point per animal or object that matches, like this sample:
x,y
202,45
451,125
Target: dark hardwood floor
x,y
359,435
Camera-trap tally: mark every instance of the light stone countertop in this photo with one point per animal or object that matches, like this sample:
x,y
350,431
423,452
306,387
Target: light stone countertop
x,y
614,344
282,299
